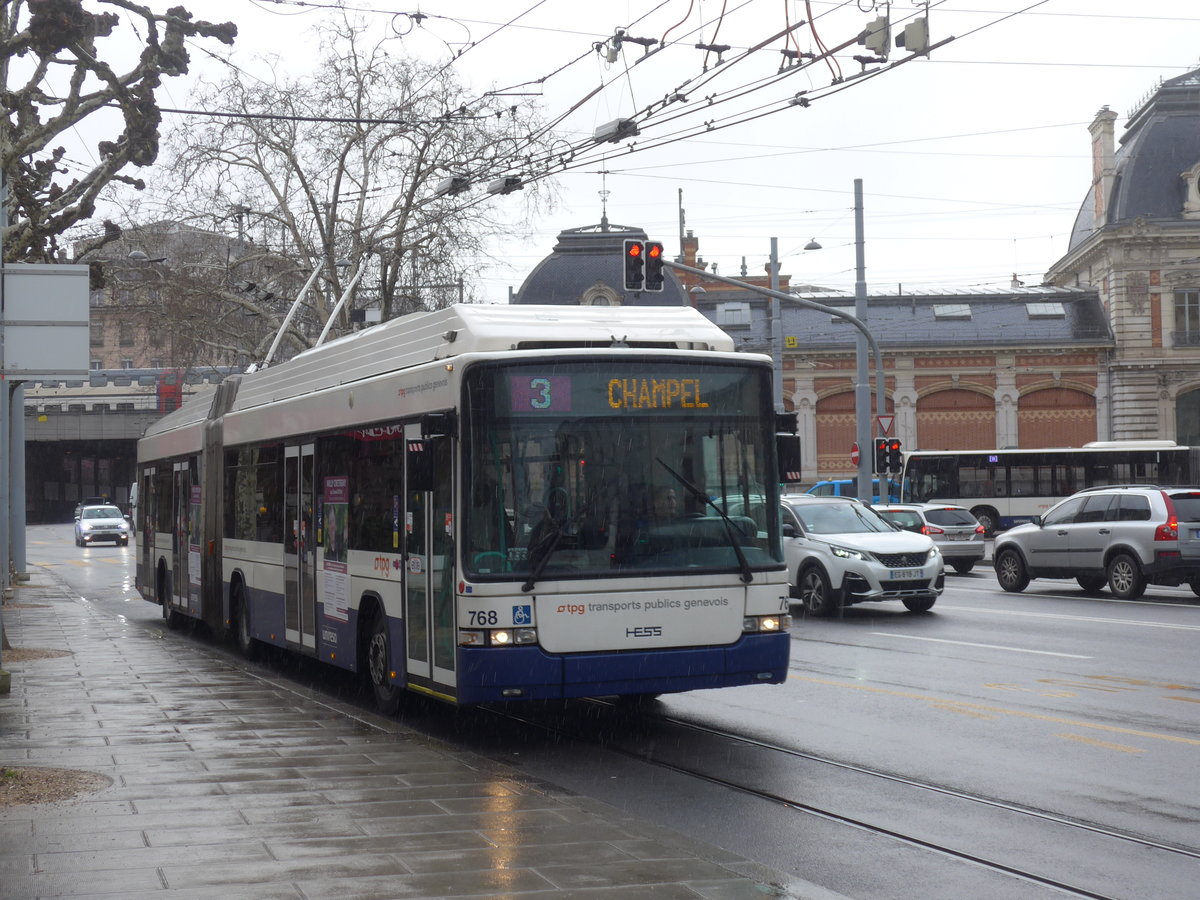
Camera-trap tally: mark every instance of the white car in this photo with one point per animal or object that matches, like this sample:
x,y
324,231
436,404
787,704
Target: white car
x,y
101,523
839,552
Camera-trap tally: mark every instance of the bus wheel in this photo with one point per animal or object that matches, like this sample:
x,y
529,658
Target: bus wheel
x,y
919,604
815,592
173,619
1195,586
387,695
1010,571
988,518
246,644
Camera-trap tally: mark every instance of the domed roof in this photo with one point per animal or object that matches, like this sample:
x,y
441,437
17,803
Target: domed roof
x,y
587,268
1161,143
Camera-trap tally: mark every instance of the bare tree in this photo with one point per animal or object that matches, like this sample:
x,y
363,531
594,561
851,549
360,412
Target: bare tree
x,y
39,39
345,164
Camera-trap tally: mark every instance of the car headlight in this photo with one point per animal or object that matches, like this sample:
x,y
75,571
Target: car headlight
x,y
847,553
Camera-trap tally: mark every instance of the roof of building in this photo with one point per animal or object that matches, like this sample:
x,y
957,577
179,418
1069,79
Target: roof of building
x,y
587,266
1161,141
1040,316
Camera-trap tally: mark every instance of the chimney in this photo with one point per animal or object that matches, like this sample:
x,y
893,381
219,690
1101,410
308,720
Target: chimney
x,y
1103,151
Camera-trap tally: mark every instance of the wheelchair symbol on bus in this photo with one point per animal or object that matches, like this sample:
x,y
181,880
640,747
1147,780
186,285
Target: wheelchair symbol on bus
x,y
522,615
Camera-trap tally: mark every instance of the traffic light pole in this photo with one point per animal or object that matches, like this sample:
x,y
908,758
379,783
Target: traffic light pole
x,y
862,388
861,413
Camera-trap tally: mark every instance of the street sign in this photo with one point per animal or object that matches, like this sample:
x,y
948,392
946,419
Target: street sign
x,y
854,453
885,424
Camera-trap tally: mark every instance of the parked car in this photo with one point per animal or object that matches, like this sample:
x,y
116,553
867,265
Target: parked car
x,y
1125,536
840,552
848,487
957,533
101,523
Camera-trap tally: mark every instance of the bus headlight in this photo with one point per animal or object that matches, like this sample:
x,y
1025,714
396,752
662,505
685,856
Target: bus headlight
x,y
497,637
755,624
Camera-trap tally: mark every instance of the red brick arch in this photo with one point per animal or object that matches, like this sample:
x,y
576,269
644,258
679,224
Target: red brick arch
x,y
956,419
1056,417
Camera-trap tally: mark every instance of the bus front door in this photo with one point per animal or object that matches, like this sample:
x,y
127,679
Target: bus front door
x,y
429,530
299,547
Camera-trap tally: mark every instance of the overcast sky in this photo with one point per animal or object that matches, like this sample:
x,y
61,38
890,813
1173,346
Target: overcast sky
x,y
974,161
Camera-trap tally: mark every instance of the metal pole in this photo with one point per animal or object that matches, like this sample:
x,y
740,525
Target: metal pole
x,y
777,326
16,490
862,387
5,446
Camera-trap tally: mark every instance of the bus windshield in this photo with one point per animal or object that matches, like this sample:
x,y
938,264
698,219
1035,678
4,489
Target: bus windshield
x,y
584,467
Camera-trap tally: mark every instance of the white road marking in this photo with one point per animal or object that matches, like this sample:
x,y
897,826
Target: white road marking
x,y
910,637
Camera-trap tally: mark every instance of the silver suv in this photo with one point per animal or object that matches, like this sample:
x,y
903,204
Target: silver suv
x,y
839,551
1125,536
957,533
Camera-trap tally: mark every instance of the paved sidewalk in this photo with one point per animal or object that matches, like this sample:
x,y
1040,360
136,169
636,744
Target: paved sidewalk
x,y
227,783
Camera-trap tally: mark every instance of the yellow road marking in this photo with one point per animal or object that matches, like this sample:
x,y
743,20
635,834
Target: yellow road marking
x,y
1183,699
1102,744
983,708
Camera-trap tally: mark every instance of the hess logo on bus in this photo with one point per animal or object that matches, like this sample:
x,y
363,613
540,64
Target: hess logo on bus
x,y
644,631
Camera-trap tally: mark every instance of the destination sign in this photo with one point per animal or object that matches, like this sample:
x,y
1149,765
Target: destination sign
x,y
606,389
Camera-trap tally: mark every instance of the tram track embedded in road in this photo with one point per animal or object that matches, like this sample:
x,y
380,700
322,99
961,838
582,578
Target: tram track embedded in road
x,y
1043,819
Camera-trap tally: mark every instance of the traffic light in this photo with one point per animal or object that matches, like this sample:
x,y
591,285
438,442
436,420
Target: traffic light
x,y
877,37
881,456
635,264
654,266
894,460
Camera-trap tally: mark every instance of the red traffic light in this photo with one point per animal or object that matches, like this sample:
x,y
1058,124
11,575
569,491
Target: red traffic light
x,y
655,250
633,248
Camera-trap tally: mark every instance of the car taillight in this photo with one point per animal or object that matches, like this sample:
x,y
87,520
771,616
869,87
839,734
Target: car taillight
x,y
979,529
1169,530
933,529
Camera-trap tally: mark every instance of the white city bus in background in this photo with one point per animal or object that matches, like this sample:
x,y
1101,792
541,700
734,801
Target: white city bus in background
x,y
1003,488
459,503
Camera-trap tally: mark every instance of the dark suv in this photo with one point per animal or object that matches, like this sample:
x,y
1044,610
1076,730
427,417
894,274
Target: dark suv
x,y
1127,536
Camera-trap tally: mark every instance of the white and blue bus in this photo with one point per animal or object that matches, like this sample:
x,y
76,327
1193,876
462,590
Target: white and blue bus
x,y
460,503
1003,488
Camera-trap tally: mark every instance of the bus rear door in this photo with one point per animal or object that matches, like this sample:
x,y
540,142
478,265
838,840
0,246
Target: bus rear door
x,y
299,547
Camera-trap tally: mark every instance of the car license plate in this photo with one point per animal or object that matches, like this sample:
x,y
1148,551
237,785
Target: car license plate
x,y
960,537
907,573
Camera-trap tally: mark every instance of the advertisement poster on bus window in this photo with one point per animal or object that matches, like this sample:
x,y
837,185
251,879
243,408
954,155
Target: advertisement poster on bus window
x,y
194,549
337,578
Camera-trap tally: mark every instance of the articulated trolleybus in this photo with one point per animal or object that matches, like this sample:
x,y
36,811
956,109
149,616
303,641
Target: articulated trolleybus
x,y
484,503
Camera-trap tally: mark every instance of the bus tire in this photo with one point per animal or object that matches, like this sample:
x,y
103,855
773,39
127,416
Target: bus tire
x,y
918,604
1010,571
246,644
1194,584
1125,578
963,566
378,655
988,518
816,594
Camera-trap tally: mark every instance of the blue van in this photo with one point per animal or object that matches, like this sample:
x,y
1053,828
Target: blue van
x,y
848,487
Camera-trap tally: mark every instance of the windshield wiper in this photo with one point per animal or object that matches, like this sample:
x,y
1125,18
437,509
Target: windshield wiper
x,y
747,575
551,544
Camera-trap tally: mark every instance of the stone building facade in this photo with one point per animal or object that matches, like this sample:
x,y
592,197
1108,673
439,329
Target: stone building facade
x,y
1136,240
